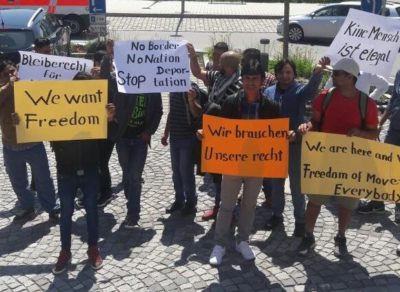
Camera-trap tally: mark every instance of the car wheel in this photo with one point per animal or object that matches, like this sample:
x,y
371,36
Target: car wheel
x,y
75,23
296,33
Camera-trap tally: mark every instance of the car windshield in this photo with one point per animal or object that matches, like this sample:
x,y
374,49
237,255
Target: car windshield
x,y
11,41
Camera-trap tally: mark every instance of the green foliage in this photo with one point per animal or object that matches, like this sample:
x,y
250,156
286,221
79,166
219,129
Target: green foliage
x,y
303,58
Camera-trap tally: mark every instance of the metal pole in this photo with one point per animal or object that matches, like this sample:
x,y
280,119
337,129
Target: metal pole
x,y
383,10
183,7
286,30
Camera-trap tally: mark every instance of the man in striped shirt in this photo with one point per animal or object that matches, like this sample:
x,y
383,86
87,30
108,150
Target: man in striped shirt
x,y
223,83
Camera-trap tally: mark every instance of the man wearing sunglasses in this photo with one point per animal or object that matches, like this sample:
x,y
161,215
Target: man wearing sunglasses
x,y
342,115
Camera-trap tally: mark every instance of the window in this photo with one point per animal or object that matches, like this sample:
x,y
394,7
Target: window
x,y
49,25
324,12
15,40
340,10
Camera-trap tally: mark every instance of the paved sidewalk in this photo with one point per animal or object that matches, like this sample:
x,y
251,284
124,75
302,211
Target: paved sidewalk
x,y
170,253
203,9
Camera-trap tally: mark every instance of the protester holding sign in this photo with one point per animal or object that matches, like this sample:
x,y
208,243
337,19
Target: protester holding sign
x,y
185,111
137,117
392,137
292,97
222,83
43,46
248,103
107,145
339,111
17,156
78,166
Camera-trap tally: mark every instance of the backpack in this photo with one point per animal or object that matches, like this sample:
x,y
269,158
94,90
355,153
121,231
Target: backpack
x,y
363,106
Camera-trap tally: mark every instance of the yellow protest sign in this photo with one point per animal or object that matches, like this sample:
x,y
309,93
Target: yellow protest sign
x,y
338,165
254,148
61,110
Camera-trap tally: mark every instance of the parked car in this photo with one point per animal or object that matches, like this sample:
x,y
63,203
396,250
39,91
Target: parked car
x,y
20,27
325,22
75,13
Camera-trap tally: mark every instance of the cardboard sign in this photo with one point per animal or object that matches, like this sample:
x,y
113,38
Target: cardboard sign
x,y
371,40
34,66
61,110
338,165
151,66
251,148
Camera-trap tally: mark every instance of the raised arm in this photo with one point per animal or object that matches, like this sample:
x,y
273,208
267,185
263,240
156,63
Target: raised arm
x,y
194,65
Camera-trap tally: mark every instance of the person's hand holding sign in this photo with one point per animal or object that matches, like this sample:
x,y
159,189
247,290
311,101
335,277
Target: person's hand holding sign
x,y
15,119
304,128
291,136
200,134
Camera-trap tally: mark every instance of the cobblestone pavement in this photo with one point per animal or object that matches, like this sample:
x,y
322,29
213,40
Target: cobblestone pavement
x,y
206,25
170,253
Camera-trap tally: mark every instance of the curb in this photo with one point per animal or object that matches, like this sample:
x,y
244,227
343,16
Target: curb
x,y
178,15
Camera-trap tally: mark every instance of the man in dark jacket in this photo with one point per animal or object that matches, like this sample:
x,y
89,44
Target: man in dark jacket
x,y
78,166
137,117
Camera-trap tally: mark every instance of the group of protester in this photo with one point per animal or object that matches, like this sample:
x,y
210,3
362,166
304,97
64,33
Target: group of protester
x,y
238,88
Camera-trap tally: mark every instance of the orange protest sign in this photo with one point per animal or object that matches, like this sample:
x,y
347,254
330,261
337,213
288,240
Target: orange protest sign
x,y
255,148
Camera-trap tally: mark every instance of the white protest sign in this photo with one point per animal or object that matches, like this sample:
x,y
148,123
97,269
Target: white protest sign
x,y
369,39
151,66
34,66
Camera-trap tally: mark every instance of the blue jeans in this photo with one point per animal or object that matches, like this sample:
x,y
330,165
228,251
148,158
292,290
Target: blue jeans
x,y
89,183
183,169
132,154
278,187
36,157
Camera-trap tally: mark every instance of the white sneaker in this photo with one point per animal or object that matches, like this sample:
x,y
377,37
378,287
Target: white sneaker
x,y
216,255
245,250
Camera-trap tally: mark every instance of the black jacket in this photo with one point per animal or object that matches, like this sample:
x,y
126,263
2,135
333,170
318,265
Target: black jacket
x,y
73,156
124,105
231,108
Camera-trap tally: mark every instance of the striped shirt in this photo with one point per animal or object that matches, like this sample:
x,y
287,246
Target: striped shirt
x,y
222,86
180,118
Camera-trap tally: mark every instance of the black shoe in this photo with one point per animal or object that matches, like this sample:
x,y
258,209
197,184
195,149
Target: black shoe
x,y
119,187
25,215
189,209
130,223
273,222
103,201
307,244
340,246
299,230
371,207
54,217
175,206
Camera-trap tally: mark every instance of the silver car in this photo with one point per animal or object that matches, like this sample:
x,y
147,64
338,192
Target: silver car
x,y
325,21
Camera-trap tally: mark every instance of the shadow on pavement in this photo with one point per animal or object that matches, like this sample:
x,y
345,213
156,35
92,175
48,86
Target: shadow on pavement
x,y
19,237
320,273
245,272
181,231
